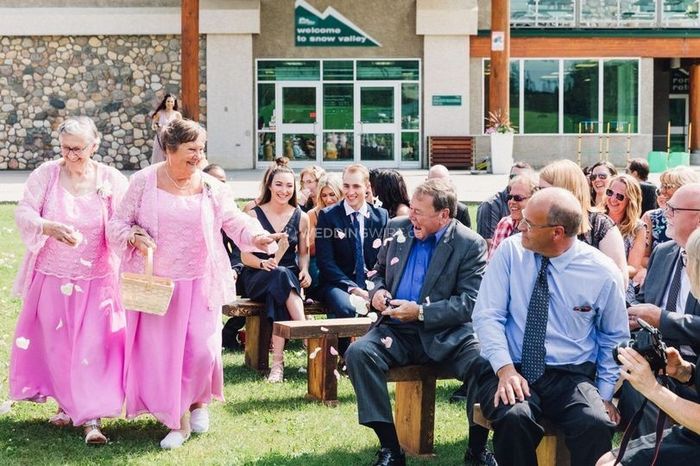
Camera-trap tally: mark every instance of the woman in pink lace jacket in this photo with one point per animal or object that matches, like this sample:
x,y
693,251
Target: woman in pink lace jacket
x,y
69,341
174,361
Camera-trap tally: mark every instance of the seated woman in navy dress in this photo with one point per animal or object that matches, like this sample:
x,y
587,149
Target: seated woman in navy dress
x,y
279,285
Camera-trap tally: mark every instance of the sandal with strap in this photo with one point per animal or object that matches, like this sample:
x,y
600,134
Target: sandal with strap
x,y
60,419
93,434
276,373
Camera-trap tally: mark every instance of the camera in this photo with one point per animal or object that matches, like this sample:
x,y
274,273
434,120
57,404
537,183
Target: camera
x,y
649,344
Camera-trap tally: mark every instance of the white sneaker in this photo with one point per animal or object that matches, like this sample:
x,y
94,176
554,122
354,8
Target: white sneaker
x,y
174,439
199,420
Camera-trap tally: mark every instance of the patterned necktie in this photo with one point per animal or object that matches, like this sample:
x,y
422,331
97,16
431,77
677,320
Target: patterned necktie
x,y
359,256
536,327
675,287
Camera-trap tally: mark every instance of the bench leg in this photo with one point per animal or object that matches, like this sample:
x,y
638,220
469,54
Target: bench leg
x,y
415,415
547,451
322,381
258,333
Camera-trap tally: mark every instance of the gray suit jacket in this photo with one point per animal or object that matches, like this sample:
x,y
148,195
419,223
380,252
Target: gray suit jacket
x,y
450,287
677,329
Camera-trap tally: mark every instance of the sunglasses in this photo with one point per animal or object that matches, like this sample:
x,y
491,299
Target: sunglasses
x,y
517,197
600,176
610,193
665,187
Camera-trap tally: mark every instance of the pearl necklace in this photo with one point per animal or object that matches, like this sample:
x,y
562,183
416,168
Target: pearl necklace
x,y
181,188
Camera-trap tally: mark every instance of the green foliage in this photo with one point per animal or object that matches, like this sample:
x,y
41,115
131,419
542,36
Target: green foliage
x,y
259,424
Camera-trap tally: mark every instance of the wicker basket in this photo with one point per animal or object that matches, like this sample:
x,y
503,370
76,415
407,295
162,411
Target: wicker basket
x,y
146,293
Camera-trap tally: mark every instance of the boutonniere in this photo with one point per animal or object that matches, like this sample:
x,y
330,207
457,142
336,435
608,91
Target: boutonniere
x,y
105,190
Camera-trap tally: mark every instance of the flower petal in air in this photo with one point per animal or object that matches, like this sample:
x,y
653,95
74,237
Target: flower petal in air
x,y
78,289
336,373
60,324
67,289
84,362
372,316
369,284
324,329
371,273
359,304
387,342
86,263
314,353
394,261
22,343
302,370
333,351
340,234
377,243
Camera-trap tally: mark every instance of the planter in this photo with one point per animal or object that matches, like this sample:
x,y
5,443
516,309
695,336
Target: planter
x,y
501,153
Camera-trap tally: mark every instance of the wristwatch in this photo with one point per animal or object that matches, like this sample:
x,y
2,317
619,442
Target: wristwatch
x,y
420,313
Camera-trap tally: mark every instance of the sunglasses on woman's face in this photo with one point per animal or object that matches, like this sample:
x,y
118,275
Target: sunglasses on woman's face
x,y
600,176
619,196
517,197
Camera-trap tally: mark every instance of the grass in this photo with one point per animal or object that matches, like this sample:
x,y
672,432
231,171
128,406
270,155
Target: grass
x,y
259,424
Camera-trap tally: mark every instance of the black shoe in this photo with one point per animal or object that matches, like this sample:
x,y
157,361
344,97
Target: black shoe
x,y
459,395
485,458
387,457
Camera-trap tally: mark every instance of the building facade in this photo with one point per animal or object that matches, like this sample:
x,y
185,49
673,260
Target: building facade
x,y
335,81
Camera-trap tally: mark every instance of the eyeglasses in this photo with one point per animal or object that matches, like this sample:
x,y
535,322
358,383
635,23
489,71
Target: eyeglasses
x,y
665,187
600,176
672,210
76,150
516,197
529,226
610,193
512,175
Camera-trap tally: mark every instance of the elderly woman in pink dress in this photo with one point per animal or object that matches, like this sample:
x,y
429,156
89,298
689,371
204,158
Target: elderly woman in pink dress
x,y
69,341
174,363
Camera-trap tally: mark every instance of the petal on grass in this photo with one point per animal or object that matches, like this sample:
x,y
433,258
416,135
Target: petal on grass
x,y
6,407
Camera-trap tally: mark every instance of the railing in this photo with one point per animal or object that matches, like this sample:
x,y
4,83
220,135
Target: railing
x,y
605,13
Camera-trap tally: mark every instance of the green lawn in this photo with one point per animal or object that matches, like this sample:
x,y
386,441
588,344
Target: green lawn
x,y
259,424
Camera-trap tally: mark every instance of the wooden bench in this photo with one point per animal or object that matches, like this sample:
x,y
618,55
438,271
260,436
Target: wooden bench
x,y
258,331
451,151
552,449
414,406
322,362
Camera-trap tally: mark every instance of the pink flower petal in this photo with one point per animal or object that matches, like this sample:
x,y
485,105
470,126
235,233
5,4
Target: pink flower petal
x,y
302,370
369,285
394,260
60,324
336,373
324,329
427,300
387,341
6,407
22,343
340,234
78,289
377,243
333,351
372,316
84,362
371,273
313,354
67,289
388,240
86,263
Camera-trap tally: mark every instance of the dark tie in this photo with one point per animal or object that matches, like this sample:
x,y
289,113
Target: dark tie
x,y
675,287
536,327
359,256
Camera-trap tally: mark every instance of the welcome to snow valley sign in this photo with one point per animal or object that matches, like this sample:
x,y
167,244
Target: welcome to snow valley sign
x,y
327,29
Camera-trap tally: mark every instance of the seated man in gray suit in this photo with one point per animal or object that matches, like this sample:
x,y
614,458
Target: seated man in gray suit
x,y
668,303
428,270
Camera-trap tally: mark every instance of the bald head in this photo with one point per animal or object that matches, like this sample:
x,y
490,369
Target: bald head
x,y
438,172
683,221
562,209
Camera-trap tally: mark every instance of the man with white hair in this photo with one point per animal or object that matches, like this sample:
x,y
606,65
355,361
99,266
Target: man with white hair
x,y
441,172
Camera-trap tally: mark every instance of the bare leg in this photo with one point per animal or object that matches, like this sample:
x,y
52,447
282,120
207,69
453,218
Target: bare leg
x,y
295,307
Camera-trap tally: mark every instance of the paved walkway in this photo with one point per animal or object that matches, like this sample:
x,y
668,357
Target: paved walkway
x,y
246,183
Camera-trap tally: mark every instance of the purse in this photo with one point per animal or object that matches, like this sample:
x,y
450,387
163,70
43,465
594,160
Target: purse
x,y
146,292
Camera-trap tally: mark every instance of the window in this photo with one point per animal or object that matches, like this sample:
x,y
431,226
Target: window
x,y
309,70
568,96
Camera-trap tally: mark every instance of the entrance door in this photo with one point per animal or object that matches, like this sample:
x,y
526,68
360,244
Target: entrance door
x,y
378,122
298,113
678,115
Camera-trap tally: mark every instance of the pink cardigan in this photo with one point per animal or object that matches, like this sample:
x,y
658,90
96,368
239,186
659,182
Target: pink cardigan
x,y
111,186
219,211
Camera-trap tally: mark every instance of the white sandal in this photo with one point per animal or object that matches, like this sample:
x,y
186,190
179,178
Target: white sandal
x,y
60,419
93,434
199,420
276,373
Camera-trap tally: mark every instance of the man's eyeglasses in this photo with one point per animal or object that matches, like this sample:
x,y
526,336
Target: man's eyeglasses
x,y
672,210
600,176
610,193
529,226
665,187
76,150
516,197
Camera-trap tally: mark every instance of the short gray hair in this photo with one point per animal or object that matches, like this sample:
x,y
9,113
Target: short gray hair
x,y
80,126
179,132
442,192
570,219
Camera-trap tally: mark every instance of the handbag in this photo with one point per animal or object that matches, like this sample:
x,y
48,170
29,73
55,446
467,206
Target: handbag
x,y
146,292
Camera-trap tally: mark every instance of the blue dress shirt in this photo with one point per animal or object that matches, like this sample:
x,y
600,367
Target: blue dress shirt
x,y
587,314
417,266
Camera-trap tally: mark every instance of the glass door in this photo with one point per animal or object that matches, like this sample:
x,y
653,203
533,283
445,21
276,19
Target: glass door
x,y
678,114
298,115
378,121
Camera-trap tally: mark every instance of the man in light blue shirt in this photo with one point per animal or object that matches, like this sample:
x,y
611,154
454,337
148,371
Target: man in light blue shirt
x,y
549,311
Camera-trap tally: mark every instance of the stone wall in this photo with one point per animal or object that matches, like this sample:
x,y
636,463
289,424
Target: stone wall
x,y
116,80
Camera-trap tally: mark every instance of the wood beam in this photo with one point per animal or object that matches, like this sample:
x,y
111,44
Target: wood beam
x,y
499,94
190,59
694,110
587,47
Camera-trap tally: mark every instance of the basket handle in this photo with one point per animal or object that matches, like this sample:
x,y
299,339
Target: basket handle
x,y
149,264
